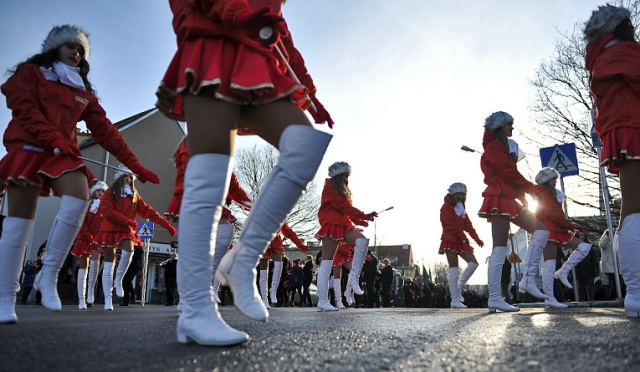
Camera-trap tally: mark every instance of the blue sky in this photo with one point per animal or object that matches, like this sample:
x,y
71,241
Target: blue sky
x,y
407,82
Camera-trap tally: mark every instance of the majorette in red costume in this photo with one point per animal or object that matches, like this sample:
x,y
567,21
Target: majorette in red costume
x,y
338,218
119,218
455,222
48,94
504,185
226,53
274,252
86,241
563,233
613,60
86,248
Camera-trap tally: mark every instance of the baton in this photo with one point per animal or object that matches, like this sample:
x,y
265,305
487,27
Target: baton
x,y
384,210
265,34
57,151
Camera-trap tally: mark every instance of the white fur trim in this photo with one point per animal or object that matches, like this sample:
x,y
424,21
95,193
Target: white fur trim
x,y
98,186
457,187
604,20
62,34
545,175
339,167
497,120
122,170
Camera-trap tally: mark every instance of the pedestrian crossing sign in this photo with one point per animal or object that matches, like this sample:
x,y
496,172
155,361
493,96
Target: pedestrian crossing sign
x,y
145,231
562,158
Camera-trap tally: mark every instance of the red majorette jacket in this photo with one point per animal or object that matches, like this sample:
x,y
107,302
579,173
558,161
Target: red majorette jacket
x,y
615,82
237,194
43,111
500,173
90,226
454,226
336,209
117,216
550,212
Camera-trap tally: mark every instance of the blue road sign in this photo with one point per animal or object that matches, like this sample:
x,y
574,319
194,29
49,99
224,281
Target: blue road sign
x,y
562,158
145,231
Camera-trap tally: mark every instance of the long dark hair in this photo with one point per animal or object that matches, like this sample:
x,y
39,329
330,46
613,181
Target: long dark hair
x,y
499,136
625,31
46,60
341,184
117,187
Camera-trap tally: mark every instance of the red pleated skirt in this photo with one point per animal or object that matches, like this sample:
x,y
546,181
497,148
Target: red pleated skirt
x,y
454,247
619,145
500,206
344,254
22,168
335,232
113,238
561,237
236,73
85,248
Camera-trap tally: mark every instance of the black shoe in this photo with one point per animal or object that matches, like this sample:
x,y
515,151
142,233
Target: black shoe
x,y
89,305
124,304
168,304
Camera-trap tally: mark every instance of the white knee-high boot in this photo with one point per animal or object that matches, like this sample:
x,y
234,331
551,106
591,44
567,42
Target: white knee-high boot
x,y
548,270
264,276
496,260
337,288
456,301
628,237
94,269
359,254
123,265
301,151
324,271
107,288
464,277
578,255
205,190
348,293
82,282
63,233
531,262
275,281
13,244
224,236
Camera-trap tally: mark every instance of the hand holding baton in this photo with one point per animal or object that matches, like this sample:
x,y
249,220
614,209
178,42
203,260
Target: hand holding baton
x,y
266,33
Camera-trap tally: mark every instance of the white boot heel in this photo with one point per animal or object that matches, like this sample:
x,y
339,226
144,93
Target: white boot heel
x,y
324,271
538,241
547,285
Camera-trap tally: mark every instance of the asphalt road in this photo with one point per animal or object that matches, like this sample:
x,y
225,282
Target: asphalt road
x,y
300,339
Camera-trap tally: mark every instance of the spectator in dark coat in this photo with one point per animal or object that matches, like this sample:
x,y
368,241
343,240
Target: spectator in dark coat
x,y
386,280
307,269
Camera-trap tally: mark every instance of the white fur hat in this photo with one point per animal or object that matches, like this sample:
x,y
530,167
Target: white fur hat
x,y
497,120
339,167
63,34
545,175
122,170
604,20
457,187
98,186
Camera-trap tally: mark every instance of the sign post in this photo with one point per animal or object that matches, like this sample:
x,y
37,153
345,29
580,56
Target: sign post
x,y
145,232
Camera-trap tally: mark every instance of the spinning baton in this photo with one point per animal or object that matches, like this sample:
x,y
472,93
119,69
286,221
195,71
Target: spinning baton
x,y
384,210
265,34
57,151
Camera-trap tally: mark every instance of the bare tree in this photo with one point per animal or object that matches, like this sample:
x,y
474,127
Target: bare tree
x,y
440,273
562,108
253,165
